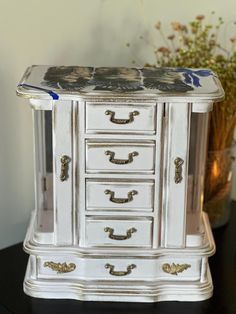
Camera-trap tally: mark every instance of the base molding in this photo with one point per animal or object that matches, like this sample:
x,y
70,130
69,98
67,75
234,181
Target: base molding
x,y
91,280
117,292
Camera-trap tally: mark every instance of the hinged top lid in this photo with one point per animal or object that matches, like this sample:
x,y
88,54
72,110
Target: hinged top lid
x,y
162,84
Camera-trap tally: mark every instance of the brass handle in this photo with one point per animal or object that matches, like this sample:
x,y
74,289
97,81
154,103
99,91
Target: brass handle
x,y
174,269
60,268
178,169
121,200
120,273
64,167
121,121
113,160
119,237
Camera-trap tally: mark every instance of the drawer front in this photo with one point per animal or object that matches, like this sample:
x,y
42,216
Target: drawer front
x,y
74,268
120,157
144,269
118,233
119,195
121,269
118,118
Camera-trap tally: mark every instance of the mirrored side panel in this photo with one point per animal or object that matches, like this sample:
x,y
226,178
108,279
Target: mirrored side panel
x,y
43,174
196,170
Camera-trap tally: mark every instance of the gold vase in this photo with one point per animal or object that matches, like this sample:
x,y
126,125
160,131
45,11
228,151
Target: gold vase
x,y
218,182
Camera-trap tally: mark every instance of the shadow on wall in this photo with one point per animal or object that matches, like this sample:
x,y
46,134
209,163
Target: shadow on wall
x,y
105,45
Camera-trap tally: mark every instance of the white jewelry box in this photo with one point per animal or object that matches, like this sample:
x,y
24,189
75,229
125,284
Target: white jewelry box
x,y
119,173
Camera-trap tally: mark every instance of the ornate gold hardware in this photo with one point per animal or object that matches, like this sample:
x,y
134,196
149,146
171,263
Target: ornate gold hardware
x,y
174,269
121,121
120,273
64,167
121,200
120,161
178,170
120,237
60,268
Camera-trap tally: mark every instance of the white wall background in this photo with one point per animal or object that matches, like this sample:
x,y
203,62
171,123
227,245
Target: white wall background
x,y
72,32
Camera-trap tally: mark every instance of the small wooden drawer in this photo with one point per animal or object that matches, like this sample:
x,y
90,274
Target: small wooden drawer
x,y
187,269
104,195
119,118
125,269
122,269
118,232
115,157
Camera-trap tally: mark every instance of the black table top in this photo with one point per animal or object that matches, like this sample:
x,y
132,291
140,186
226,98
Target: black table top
x,y
223,267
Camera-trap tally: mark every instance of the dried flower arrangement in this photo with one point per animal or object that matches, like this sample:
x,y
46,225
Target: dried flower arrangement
x,y
197,45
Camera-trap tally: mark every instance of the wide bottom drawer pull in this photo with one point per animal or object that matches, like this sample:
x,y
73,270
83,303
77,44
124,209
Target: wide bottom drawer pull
x,y
120,273
117,200
113,236
174,269
60,268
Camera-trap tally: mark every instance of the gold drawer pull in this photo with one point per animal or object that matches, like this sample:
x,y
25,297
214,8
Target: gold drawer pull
x,y
178,169
64,167
121,200
120,161
120,273
121,121
60,268
174,269
119,237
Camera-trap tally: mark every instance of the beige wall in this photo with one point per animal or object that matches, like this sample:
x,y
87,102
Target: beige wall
x,y
83,32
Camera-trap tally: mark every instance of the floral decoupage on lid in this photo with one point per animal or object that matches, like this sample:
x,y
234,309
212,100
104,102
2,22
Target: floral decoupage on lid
x,y
57,82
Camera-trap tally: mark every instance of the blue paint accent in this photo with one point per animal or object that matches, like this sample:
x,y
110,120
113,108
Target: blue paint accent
x,y
50,92
191,76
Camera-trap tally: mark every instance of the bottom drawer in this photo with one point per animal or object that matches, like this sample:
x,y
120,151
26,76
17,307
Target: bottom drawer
x,y
164,268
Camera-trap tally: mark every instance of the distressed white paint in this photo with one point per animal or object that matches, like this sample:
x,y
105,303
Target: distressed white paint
x,y
92,230
97,161
94,269
80,175
176,193
98,121
91,43
97,199
63,190
95,211
96,235
91,280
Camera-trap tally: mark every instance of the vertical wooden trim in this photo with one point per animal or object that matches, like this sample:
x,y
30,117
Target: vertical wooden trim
x,y
158,178
164,166
176,193
76,154
81,205
63,190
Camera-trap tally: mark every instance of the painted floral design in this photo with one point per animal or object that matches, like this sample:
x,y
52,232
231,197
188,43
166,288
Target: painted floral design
x,y
73,78
70,78
164,79
117,79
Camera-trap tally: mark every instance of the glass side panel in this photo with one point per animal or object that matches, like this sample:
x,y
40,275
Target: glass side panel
x,y
44,170
196,170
